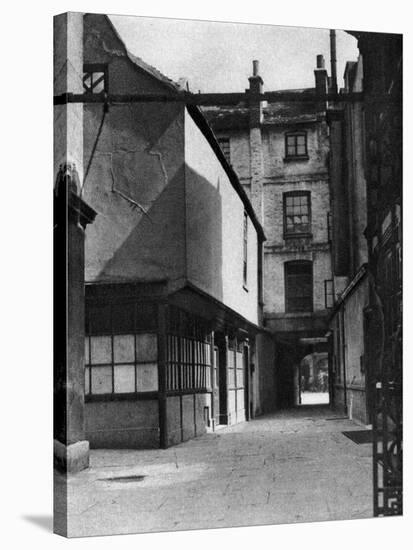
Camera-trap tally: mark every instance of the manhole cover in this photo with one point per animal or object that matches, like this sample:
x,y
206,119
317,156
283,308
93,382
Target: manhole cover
x,y
124,479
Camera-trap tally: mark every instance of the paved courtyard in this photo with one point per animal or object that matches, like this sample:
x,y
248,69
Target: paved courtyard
x,y
292,466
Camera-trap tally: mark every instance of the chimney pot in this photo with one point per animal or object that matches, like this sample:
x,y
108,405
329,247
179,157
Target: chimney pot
x,y
255,67
320,62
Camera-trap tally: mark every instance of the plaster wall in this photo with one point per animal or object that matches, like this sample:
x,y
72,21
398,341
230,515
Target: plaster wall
x,y
134,155
240,153
136,184
352,311
354,330
122,424
214,229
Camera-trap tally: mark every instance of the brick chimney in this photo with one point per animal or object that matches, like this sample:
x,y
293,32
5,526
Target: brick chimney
x,y
256,162
255,89
321,80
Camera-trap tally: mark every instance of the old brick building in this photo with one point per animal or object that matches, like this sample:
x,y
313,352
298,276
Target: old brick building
x,y
280,152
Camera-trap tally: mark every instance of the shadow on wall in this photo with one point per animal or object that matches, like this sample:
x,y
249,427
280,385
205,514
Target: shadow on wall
x,y
139,154
204,231
155,247
180,237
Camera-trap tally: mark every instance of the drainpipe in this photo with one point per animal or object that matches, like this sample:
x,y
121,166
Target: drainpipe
x,y
343,340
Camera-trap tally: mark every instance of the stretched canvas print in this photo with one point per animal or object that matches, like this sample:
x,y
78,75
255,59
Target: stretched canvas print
x,y
227,256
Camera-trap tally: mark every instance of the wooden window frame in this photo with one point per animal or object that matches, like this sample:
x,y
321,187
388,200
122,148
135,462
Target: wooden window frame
x,y
287,297
327,293
294,233
111,331
90,69
295,155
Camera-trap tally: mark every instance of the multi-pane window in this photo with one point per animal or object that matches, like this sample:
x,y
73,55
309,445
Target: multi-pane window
x,y
225,147
245,250
328,293
297,213
296,145
188,354
298,276
329,234
95,78
121,349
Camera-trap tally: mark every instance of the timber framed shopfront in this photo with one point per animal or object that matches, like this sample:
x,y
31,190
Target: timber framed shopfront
x,y
157,373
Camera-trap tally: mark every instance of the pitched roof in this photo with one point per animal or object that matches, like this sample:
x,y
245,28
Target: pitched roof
x,y
282,112
138,62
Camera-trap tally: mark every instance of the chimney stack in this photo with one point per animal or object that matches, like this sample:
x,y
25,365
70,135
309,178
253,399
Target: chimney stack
x,y
255,105
255,89
321,80
333,57
255,67
320,62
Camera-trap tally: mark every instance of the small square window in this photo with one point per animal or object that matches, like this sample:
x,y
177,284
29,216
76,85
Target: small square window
x,y
328,293
95,78
296,145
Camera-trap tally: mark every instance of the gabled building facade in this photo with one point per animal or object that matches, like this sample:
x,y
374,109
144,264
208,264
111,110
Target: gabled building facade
x,y
174,336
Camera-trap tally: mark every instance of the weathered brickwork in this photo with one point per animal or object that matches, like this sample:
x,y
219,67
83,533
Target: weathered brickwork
x,y
275,163
258,156
274,295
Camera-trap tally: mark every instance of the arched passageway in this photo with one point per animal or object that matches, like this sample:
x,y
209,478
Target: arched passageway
x,y
303,372
313,379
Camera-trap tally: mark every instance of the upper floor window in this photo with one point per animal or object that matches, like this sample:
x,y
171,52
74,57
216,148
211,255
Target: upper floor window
x,y
296,145
329,228
225,147
95,79
298,276
328,293
245,250
297,213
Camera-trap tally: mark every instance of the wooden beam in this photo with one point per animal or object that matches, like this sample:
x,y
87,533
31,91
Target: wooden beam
x,y
215,99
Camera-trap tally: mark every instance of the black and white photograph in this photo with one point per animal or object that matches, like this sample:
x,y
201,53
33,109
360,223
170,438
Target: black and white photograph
x,y
212,315
227,252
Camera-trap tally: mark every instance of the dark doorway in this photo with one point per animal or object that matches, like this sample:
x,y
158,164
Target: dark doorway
x,y
220,380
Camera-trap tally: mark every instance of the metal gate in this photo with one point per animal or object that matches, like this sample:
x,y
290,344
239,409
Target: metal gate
x,y
387,379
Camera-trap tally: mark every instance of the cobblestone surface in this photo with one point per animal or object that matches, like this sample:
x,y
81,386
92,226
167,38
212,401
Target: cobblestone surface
x,y
292,466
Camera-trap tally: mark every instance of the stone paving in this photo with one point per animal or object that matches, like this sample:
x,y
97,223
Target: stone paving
x,y
291,466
